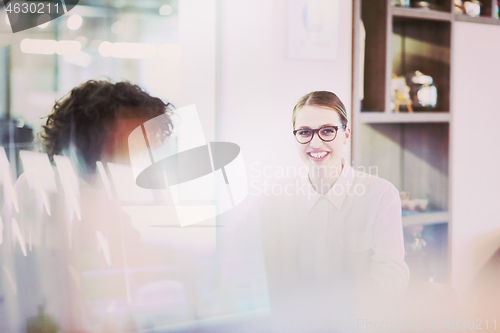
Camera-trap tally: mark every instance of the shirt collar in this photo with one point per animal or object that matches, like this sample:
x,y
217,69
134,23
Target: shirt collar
x,y
337,192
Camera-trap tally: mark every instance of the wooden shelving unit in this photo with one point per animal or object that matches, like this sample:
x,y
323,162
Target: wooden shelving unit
x,y
426,218
409,149
404,117
481,19
419,13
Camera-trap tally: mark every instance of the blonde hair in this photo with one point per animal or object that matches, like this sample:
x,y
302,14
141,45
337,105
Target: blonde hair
x,y
323,99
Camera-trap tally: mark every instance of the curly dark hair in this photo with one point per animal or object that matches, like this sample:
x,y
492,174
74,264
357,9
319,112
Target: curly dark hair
x,y
86,116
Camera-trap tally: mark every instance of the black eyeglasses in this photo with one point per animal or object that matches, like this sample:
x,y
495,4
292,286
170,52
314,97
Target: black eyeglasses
x,y
325,133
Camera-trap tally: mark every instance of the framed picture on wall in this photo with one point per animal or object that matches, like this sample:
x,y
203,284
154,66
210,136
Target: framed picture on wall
x,y
312,29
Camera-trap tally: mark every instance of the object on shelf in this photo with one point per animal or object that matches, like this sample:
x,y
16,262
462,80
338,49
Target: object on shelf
x,y
426,249
423,92
425,4
416,243
422,4
459,7
418,204
400,93
401,3
472,8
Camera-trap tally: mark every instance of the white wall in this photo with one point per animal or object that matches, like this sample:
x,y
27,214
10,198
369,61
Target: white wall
x,y
197,37
475,149
260,86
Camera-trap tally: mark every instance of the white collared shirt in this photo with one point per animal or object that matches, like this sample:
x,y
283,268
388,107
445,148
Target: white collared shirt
x,y
352,234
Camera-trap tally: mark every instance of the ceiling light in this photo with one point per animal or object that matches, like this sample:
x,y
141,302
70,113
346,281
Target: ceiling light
x,y
117,27
74,22
106,49
166,10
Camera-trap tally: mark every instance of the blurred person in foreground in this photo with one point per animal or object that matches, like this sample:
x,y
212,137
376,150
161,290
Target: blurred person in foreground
x,y
333,239
81,244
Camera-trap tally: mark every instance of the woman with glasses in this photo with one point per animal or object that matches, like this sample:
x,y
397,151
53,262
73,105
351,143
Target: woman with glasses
x,y
333,239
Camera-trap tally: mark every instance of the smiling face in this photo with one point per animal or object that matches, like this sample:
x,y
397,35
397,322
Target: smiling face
x,y
318,153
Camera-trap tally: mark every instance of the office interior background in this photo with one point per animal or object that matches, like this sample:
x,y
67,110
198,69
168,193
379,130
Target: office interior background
x,y
244,67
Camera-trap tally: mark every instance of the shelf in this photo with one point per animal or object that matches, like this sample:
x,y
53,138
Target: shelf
x,y
229,322
414,157
428,14
429,259
482,19
424,14
410,150
425,46
405,117
426,218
